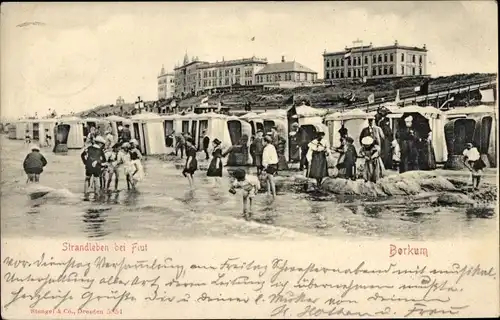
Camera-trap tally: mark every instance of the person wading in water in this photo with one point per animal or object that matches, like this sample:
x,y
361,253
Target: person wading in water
x,y
269,165
33,164
93,157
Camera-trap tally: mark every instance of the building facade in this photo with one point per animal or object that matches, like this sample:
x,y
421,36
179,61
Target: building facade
x,y
286,74
166,84
186,78
375,62
225,74
195,76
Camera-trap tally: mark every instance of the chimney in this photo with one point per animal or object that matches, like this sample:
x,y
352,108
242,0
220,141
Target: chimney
x,y
282,58
396,42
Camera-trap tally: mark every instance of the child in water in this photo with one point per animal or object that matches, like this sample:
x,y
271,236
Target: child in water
x,y
135,172
250,186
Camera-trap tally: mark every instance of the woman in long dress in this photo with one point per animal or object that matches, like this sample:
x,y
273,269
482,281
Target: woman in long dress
x,y
374,167
215,167
318,151
407,141
191,162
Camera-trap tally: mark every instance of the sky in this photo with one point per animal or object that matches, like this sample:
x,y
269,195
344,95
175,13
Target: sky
x,y
88,54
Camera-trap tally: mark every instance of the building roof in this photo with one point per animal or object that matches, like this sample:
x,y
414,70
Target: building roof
x,y
171,74
234,62
190,63
371,49
290,66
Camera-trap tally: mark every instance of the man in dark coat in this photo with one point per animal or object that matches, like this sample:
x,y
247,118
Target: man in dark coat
x,y
206,143
258,148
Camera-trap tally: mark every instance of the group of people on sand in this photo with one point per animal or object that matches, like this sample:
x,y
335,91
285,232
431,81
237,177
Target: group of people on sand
x,y
105,160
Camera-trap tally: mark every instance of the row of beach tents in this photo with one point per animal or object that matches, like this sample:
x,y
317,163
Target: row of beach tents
x,y
451,129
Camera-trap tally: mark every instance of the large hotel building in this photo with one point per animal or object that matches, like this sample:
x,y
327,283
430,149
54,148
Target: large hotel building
x,y
369,62
195,76
200,76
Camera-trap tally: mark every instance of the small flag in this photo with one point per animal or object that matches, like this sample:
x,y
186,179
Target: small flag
x,y
487,95
253,39
347,55
371,98
417,89
397,97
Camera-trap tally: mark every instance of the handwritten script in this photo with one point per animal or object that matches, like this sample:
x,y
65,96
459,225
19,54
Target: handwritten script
x,y
113,284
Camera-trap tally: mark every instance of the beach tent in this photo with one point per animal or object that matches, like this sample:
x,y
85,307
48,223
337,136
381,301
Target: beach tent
x,y
69,132
148,130
353,120
433,117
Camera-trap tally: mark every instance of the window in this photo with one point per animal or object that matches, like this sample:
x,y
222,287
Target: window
x,y
380,71
366,72
354,61
238,71
413,71
385,57
366,60
420,71
349,73
374,71
391,70
374,60
327,63
420,59
341,74
391,57
385,70
413,59
380,58
342,62
402,57
349,61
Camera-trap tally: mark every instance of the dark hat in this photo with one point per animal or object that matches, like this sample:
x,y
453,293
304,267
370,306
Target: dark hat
x,y
239,174
275,128
349,139
217,141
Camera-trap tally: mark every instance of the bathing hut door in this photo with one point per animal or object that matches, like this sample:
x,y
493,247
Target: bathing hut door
x,y
36,133
235,132
142,141
203,126
168,126
136,133
268,124
291,115
194,133
185,126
